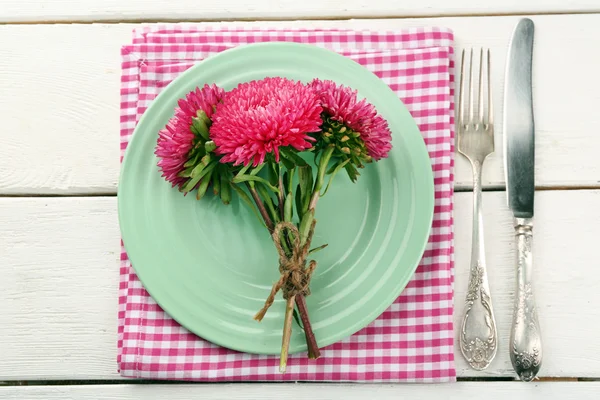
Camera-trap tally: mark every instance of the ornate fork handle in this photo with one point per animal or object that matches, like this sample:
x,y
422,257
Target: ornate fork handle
x,y
526,340
478,338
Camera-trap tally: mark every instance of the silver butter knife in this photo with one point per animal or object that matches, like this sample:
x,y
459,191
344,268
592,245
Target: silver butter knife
x,y
525,344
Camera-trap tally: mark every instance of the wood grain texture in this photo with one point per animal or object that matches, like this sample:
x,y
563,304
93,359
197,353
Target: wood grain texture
x,y
309,391
58,135
103,10
60,100
59,262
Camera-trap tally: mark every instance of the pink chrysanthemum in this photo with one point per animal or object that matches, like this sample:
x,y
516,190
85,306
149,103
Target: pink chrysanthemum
x,y
258,117
176,140
340,104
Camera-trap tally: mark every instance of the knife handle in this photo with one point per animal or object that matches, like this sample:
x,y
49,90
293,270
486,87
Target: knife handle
x,y
525,336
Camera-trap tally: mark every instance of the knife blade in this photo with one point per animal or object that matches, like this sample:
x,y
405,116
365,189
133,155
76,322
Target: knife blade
x,y
519,127
519,165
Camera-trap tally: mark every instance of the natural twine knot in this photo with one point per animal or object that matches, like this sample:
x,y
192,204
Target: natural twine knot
x,y
295,278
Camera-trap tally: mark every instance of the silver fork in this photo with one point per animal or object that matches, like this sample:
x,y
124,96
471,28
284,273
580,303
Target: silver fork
x,y
478,335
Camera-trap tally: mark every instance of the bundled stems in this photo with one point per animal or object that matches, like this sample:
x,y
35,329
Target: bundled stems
x,y
307,222
313,348
281,199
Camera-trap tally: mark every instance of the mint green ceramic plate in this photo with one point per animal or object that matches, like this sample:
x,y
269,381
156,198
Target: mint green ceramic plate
x,y
211,266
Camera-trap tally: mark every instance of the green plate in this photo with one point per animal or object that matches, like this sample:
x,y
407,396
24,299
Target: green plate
x,y
211,266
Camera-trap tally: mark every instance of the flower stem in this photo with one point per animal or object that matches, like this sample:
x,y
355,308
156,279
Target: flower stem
x,y
281,194
311,341
281,205
287,333
314,199
323,163
261,207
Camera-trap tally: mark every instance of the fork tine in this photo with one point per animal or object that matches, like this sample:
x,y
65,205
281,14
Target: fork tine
x,y
489,82
480,113
471,75
461,93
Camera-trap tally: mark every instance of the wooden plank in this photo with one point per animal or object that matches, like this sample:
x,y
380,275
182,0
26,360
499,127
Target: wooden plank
x,y
58,311
310,391
61,97
59,135
58,292
107,10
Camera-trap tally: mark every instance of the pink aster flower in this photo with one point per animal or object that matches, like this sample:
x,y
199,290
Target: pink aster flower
x,y
340,104
176,140
258,117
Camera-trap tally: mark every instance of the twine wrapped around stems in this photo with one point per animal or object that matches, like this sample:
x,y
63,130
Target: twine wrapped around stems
x,y
295,278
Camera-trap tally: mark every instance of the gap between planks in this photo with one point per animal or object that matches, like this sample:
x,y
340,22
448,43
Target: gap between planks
x,y
460,189
68,382
259,18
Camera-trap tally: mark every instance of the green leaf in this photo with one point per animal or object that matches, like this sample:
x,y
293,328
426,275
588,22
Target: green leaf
x,y
200,167
290,184
298,319
186,173
331,169
323,162
291,155
273,174
193,161
286,178
268,200
305,224
352,172
305,178
288,207
287,163
216,177
244,196
210,146
204,185
244,169
194,181
251,178
355,160
202,115
225,187
316,249
256,170
299,208
340,165
200,127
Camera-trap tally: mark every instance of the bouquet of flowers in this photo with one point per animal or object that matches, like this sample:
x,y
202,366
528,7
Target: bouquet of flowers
x,y
277,144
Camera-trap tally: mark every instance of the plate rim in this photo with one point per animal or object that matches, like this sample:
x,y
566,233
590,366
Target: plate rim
x,y
426,170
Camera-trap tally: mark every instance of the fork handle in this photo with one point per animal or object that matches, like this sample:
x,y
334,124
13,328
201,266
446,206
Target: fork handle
x,y
525,336
478,338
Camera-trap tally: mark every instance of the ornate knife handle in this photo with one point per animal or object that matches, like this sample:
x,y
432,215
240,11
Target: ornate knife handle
x,y
525,338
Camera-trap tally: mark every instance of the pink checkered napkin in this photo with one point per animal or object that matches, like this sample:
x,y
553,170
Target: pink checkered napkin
x,y
412,341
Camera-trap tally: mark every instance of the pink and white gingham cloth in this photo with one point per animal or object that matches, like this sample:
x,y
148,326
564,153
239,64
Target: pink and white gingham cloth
x,y
412,341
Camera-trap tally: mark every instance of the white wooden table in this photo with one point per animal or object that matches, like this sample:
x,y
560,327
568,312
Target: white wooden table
x,y
59,169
